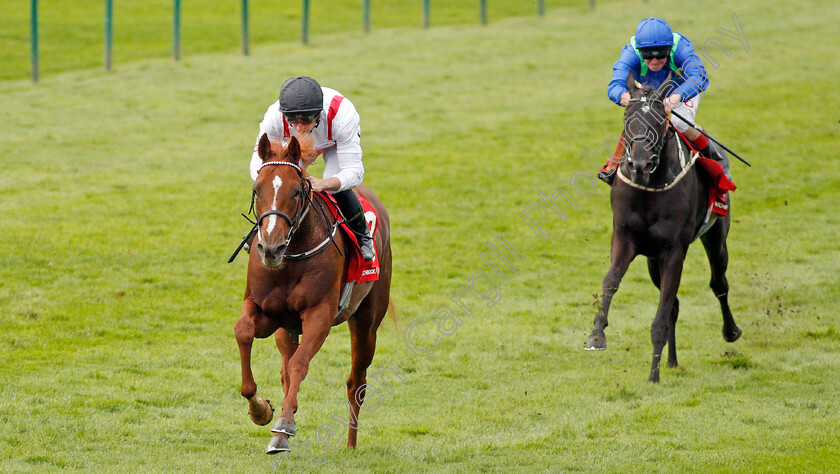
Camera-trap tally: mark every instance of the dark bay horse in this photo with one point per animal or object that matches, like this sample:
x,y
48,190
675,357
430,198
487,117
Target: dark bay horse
x,y
296,273
659,207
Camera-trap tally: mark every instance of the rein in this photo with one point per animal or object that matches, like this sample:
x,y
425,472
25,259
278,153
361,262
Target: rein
x,y
323,245
685,167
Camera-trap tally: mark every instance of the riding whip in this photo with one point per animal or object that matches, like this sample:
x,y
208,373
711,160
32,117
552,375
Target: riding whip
x,y
244,240
710,137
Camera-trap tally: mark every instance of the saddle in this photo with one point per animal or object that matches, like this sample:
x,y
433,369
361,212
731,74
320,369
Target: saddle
x,y
358,270
719,184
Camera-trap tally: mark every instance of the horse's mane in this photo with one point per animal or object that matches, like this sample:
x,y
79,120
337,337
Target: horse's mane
x,y
308,153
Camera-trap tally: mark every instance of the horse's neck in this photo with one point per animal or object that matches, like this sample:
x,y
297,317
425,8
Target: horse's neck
x,y
670,165
679,156
313,230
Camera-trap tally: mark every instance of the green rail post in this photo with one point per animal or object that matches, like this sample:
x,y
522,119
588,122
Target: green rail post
x,y
483,7
541,7
245,27
176,34
366,16
305,27
33,30
426,9
109,16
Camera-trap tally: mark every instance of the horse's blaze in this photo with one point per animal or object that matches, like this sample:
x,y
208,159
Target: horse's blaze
x,y
277,183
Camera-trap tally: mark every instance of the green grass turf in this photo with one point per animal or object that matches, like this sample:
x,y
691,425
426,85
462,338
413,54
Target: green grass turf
x,y
121,200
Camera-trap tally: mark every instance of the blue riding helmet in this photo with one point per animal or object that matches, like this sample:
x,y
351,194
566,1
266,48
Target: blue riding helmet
x,y
653,32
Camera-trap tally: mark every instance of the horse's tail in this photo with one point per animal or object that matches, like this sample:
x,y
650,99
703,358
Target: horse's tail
x,y
392,311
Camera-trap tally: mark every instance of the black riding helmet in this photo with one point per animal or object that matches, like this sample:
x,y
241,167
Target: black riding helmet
x,y
301,98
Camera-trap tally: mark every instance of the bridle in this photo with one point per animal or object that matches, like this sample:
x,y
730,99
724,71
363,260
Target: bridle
x,y
300,213
685,165
655,157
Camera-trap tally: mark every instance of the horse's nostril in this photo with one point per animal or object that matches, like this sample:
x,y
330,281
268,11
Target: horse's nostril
x,y
260,248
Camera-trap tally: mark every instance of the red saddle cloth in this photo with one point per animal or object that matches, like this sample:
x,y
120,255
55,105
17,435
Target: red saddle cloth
x,y
359,270
719,184
718,187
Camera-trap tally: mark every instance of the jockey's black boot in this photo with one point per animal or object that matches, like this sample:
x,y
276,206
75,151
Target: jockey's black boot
x,y
350,206
607,176
715,152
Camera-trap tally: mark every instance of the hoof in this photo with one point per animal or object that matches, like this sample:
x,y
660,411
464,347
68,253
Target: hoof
x,y
278,444
261,411
284,426
734,336
597,341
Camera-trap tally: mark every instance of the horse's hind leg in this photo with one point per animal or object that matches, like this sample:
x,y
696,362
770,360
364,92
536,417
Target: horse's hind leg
x,y
621,256
653,269
362,347
714,241
363,326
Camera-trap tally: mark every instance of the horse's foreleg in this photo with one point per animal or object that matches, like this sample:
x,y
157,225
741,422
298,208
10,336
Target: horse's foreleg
x,y
653,269
714,242
621,256
316,327
246,329
671,273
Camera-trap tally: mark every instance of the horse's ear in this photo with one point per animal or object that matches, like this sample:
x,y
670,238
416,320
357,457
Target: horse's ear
x,y
631,82
264,147
293,150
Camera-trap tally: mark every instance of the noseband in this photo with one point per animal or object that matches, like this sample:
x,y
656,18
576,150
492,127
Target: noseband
x,y
654,158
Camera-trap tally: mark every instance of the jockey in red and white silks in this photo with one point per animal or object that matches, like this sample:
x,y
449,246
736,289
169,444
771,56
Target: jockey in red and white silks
x,y
330,123
342,150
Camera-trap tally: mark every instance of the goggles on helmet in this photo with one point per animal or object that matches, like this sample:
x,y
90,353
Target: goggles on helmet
x,y
302,117
655,52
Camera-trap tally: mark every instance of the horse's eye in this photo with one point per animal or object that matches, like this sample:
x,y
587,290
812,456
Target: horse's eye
x,y
296,194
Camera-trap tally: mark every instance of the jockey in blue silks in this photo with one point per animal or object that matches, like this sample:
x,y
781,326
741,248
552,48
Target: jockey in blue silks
x,y
651,55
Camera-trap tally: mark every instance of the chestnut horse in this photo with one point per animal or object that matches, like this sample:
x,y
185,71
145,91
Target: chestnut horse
x,y
659,207
296,273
